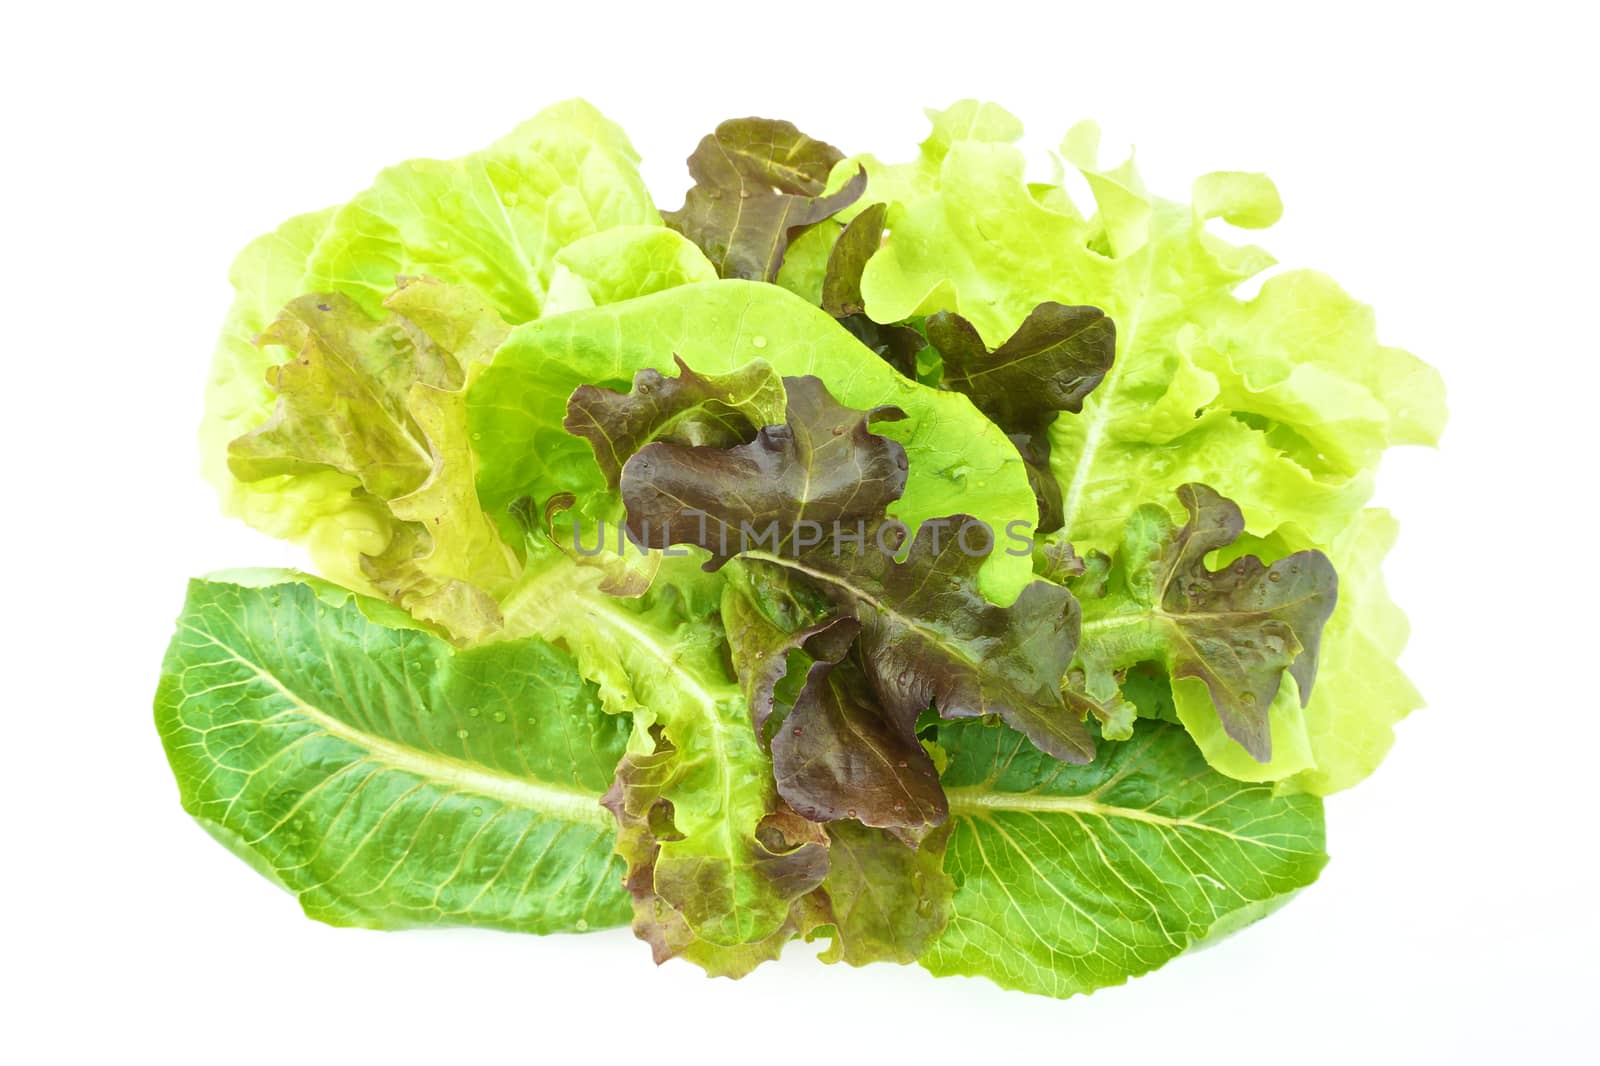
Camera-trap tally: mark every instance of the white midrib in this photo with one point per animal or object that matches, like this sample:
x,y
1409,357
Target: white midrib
x,y
566,804
534,284
979,802
1099,415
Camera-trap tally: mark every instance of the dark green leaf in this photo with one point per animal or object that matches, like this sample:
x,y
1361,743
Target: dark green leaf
x,y
1072,878
382,777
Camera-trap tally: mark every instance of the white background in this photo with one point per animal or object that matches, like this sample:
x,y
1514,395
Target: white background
x,y
1439,163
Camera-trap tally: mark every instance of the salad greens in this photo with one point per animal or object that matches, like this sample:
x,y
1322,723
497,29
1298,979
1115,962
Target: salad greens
x,y
902,555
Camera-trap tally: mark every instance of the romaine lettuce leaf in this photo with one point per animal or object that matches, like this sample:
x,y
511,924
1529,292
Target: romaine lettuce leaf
x,y
1072,878
384,779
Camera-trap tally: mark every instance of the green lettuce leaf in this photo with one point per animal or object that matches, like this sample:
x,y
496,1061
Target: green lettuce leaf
x,y
493,220
757,182
316,509
725,918
622,574
383,403
1072,878
964,121
383,778
1303,357
1361,691
517,405
805,261
976,239
621,263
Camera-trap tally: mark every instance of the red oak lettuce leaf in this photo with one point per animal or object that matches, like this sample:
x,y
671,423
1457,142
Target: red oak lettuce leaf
x,y
1053,360
758,182
928,635
1238,629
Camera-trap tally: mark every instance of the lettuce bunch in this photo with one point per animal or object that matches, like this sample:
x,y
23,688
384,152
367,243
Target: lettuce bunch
x,y
901,554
